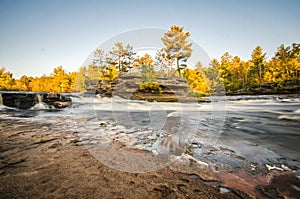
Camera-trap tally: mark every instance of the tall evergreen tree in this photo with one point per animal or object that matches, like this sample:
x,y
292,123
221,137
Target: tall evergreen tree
x,y
282,57
93,72
121,56
258,60
80,81
99,58
177,46
61,80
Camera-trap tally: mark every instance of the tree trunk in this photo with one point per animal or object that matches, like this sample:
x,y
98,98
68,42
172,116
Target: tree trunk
x,y
177,63
259,73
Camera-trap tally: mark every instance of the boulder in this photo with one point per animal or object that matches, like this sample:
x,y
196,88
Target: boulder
x,y
19,100
56,100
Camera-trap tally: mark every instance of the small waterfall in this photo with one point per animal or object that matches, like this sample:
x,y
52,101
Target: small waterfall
x,y
39,97
1,101
40,104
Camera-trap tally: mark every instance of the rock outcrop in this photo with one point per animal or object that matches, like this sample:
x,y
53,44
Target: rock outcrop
x,y
26,100
172,89
57,100
105,88
91,86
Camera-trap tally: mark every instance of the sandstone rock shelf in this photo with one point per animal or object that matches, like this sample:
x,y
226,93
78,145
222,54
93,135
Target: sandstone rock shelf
x,y
26,100
173,89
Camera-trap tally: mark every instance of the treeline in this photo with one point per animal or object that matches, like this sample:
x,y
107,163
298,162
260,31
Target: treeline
x,y
230,71
59,81
239,76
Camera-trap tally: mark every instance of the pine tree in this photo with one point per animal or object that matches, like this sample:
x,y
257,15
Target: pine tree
x,y
177,46
61,80
93,72
164,62
80,81
144,60
99,58
258,60
121,56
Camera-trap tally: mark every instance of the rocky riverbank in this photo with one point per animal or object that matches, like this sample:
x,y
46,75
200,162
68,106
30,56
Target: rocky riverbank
x,y
268,88
39,160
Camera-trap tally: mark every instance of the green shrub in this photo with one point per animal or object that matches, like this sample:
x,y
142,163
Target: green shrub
x,y
148,73
150,87
42,140
198,94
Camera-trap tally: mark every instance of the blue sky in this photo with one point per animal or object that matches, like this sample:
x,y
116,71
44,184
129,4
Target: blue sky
x,y
38,35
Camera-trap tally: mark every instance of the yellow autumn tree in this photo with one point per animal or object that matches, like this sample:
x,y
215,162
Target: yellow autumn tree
x,y
6,79
144,60
61,80
196,81
110,73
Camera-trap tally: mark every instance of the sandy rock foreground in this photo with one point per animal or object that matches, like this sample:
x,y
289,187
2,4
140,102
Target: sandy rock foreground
x,y
39,163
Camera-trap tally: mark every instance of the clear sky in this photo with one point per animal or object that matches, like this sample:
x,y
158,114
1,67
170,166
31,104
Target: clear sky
x,y
38,35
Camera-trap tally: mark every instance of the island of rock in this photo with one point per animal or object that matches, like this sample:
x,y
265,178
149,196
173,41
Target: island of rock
x,y
172,89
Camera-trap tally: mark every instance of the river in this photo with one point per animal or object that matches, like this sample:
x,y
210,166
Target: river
x,y
236,132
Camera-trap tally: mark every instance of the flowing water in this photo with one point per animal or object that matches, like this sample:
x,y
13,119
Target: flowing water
x,y
1,101
236,132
